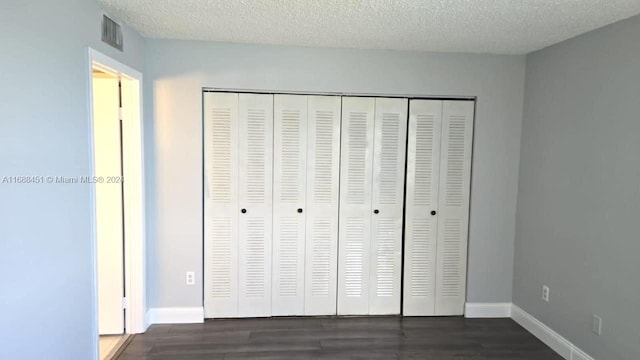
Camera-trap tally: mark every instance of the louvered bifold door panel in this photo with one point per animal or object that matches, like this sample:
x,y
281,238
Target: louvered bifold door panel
x,y
255,167
289,190
387,204
221,205
423,163
354,238
453,209
323,180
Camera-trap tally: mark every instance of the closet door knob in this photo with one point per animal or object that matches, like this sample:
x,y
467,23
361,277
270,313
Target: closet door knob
x,y
299,211
433,212
376,211
244,211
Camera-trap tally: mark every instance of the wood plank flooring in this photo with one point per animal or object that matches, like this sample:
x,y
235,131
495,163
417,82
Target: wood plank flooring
x,y
370,338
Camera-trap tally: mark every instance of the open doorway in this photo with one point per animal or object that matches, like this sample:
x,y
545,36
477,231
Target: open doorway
x,y
118,203
109,202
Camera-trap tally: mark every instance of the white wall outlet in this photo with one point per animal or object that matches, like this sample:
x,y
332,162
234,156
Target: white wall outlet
x,y
596,325
545,293
191,278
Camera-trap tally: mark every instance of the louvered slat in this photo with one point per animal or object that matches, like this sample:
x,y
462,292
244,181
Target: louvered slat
x,y
254,258
320,283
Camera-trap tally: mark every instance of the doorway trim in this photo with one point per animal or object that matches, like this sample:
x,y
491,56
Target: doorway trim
x,y
134,187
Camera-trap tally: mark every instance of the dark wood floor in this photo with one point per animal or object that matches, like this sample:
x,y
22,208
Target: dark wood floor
x,y
341,338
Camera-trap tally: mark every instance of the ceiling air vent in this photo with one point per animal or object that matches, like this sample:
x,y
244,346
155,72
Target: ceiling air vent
x,y
111,33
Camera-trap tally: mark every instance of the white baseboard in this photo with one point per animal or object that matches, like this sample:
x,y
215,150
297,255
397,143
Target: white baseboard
x,y
182,315
555,341
487,310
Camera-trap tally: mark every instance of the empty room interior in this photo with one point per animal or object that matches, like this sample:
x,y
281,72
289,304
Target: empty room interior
x,y
310,179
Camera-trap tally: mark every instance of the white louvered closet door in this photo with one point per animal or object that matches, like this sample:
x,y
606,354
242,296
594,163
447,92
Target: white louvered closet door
x,y
221,205
255,168
453,208
289,190
423,164
387,203
355,205
323,174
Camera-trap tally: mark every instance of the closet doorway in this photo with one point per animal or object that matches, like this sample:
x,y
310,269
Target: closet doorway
x,y
328,204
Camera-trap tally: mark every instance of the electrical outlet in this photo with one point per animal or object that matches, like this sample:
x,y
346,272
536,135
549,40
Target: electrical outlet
x,y
545,293
596,325
191,278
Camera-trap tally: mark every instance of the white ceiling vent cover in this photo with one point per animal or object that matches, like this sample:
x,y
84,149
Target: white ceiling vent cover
x,y
111,32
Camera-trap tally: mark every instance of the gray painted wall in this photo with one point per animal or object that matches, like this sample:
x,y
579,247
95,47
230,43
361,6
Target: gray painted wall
x,y
176,71
579,192
46,301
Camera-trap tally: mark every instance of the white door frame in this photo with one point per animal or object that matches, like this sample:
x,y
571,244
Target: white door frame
x,y
134,194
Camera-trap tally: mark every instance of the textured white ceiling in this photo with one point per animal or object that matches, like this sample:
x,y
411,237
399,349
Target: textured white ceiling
x,y
478,26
